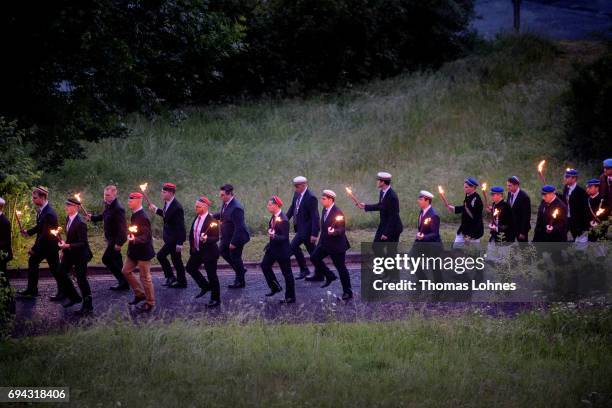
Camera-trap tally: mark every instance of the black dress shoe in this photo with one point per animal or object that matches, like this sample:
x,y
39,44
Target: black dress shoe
x,y
347,296
328,281
58,297
72,302
169,281
120,287
213,303
274,291
176,285
27,293
315,278
136,300
303,274
145,307
87,307
288,300
236,285
202,293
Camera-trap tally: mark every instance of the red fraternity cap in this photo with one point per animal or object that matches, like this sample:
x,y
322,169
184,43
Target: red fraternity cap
x,y
277,200
169,187
204,199
135,195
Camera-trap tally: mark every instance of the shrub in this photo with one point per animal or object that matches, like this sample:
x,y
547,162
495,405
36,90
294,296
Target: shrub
x,y
588,126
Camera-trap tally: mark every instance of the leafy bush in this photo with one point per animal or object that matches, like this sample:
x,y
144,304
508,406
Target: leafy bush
x,y
78,67
588,127
296,46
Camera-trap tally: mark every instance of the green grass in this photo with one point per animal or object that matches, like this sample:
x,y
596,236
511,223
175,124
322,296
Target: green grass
x,y
490,115
555,359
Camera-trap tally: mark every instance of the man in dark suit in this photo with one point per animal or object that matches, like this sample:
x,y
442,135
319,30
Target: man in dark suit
x,y
203,238
471,228
174,236
520,203
551,224
115,234
333,243
234,233
390,226
597,210
45,246
502,223
605,182
6,251
139,254
75,254
278,250
428,226
305,213
575,198
427,240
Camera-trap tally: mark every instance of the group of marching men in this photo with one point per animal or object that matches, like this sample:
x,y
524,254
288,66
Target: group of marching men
x,y
225,233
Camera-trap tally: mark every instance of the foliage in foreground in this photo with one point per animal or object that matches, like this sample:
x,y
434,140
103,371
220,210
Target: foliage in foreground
x,y
540,359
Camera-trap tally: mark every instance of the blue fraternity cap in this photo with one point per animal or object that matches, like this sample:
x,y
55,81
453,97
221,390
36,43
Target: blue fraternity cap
x,y
571,172
471,182
497,189
548,189
607,163
593,182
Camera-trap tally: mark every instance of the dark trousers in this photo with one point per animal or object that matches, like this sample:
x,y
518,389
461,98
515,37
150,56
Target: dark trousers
x,y
339,262
212,284
177,261
80,270
297,251
285,266
234,259
34,261
114,262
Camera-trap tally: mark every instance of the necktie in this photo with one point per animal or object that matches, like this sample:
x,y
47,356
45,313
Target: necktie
x,y
68,224
380,196
297,204
420,218
165,208
196,236
325,211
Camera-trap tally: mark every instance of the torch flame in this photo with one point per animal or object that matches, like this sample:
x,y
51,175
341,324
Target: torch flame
x,y
78,197
426,221
133,229
484,186
213,224
599,212
496,212
440,190
541,166
555,213
143,187
18,212
348,190
56,231
339,218
278,219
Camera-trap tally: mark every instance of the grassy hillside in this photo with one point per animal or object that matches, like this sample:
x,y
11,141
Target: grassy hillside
x,y
491,115
559,359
